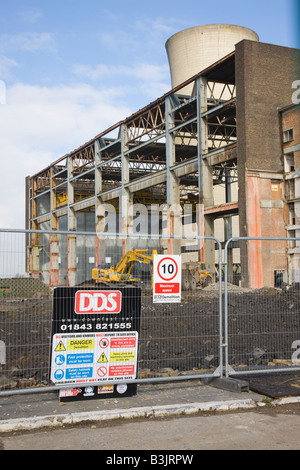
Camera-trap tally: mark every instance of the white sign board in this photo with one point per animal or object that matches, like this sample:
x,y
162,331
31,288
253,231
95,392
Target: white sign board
x,y
93,357
166,278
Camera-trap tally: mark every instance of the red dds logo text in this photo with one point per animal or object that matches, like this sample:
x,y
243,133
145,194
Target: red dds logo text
x,y
98,302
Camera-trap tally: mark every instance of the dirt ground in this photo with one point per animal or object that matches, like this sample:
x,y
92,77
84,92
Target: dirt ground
x,y
264,327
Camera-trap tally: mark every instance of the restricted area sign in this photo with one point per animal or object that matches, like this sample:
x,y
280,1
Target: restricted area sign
x,y
87,357
166,278
95,334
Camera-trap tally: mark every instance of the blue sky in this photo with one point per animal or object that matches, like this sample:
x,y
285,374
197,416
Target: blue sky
x,y
72,68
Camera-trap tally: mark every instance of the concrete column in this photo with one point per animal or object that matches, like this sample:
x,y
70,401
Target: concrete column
x,y
99,208
227,236
126,200
35,240
54,260
72,226
255,268
72,260
228,229
27,221
174,211
126,204
54,239
205,178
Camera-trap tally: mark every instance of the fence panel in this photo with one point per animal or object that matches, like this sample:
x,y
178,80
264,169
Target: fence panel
x,y
262,312
177,340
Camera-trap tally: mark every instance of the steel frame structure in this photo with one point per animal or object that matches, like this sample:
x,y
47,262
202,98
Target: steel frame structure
x,y
173,151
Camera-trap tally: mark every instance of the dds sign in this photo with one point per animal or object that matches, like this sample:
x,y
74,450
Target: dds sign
x,y
93,302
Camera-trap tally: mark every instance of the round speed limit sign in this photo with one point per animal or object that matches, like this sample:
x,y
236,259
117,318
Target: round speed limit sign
x,y
167,269
166,278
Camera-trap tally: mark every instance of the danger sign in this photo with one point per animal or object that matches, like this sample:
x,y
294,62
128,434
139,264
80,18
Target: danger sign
x,y
94,339
166,278
85,359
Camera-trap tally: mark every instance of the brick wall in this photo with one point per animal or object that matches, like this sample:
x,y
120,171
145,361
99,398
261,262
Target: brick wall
x,y
264,77
291,120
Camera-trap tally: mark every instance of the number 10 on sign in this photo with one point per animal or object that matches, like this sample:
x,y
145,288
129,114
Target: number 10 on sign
x,y
166,278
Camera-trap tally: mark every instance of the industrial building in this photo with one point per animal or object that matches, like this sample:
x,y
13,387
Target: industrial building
x,y
290,126
216,156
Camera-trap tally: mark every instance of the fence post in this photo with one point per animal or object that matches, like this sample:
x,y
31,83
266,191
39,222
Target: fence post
x,y
226,306
221,359
2,353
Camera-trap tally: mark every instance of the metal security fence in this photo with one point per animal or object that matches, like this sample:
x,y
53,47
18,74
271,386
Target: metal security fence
x,y
238,312
262,312
177,340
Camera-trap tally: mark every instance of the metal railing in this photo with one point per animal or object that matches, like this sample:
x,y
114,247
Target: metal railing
x,y
262,316
247,320
177,341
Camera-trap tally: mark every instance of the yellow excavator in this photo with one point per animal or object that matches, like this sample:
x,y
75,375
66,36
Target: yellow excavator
x,y
194,275
125,271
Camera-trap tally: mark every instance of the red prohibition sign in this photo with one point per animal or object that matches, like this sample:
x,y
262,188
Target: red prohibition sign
x,y
176,269
102,371
103,343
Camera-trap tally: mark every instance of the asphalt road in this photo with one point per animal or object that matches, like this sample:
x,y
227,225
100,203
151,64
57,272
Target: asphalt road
x,y
268,428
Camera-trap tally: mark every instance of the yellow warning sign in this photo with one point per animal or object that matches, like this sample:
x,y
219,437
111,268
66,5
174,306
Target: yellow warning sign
x,y
75,344
122,356
60,347
102,358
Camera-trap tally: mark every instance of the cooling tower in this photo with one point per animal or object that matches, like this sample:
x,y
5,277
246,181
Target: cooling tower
x,y
192,50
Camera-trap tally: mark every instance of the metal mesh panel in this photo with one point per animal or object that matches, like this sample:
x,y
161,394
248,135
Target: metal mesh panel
x,y
263,311
176,339
25,318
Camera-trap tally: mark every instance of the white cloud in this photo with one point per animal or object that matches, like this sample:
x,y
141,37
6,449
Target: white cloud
x,y
6,65
119,41
30,15
144,35
151,73
157,26
93,73
141,71
27,41
38,125
148,80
